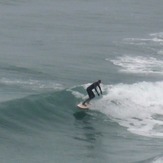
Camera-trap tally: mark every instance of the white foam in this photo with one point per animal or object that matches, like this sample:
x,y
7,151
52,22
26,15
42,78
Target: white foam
x,y
137,41
31,84
158,160
157,35
77,94
138,64
135,106
152,39
160,52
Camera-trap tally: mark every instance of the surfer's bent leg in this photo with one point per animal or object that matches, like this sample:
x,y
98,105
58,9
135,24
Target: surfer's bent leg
x,y
86,101
91,96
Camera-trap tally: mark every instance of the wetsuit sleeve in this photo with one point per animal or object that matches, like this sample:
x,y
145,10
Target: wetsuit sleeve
x,y
95,85
97,91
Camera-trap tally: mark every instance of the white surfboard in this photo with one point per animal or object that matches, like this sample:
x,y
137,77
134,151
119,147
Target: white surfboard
x,y
84,107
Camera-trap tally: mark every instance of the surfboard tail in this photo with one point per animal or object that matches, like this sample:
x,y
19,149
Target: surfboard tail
x,y
81,106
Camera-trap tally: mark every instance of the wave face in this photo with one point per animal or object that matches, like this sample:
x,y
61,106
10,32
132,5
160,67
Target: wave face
x,y
47,125
34,111
39,126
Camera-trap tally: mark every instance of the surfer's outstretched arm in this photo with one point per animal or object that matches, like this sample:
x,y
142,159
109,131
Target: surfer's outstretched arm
x,y
100,89
97,91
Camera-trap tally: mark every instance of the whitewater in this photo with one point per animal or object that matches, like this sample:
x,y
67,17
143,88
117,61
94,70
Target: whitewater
x,y
51,51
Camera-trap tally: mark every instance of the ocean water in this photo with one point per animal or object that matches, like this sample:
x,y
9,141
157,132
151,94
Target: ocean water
x,y
50,51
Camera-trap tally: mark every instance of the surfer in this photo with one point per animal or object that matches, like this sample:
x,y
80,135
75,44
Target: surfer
x,y
90,92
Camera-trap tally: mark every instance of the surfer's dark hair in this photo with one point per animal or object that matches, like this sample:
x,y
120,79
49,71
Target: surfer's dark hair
x,y
99,81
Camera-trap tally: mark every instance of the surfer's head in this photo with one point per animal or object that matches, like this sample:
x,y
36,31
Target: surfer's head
x,y
99,81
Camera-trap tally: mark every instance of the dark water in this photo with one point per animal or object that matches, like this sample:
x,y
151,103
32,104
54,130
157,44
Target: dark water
x,y
51,51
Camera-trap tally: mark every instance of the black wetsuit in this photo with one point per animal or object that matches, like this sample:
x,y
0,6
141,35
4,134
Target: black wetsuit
x,y
90,92
90,88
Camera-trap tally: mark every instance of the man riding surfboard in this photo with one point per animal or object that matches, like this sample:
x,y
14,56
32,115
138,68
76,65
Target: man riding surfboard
x,y
90,92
